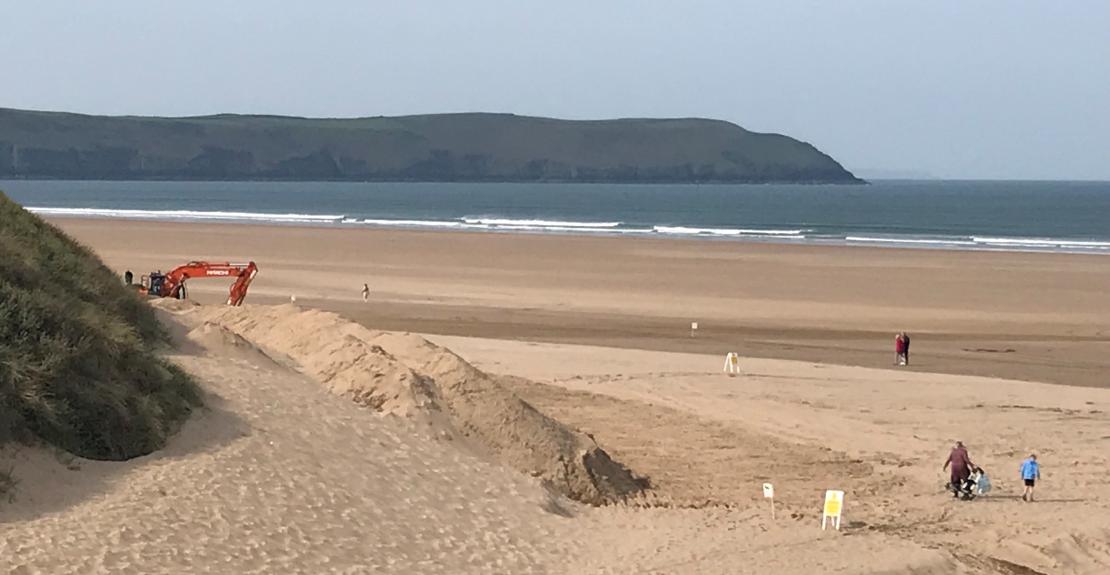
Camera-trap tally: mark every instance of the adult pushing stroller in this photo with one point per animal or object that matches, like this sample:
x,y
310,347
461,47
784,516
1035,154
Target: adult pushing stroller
x,y
975,484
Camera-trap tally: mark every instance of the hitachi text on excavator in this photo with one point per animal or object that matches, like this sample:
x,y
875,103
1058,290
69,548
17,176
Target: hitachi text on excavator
x,y
172,284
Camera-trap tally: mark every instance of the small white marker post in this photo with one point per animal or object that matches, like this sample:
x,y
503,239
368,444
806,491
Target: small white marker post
x,y
769,493
834,506
732,363
693,328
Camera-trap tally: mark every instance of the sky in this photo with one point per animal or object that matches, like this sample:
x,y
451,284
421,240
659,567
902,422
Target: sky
x,y
986,89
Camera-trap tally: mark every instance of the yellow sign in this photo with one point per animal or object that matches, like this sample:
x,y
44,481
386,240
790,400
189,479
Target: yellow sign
x,y
732,363
834,507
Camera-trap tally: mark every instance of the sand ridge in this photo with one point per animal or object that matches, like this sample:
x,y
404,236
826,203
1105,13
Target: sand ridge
x,y
405,375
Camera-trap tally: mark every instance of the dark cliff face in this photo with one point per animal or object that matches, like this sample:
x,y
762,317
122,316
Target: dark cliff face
x,y
446,147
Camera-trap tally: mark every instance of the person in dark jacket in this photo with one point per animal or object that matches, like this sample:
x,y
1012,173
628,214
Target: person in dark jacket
x,y
905,348
961,465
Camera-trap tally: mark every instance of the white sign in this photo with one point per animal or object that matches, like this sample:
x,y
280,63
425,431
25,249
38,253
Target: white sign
x,y
834,506
769,493
694,325
732,363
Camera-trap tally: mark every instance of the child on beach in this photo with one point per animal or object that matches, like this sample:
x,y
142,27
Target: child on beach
x,y
1030,473
365,292
899,349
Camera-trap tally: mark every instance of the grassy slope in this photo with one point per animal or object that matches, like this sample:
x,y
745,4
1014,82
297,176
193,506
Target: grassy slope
x,y
429,147
77,369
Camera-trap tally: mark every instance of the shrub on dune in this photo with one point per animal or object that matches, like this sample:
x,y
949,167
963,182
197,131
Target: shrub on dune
x,y
77,362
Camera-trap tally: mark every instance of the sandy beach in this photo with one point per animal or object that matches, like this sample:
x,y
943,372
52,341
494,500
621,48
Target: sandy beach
x,y
344,443
1028,316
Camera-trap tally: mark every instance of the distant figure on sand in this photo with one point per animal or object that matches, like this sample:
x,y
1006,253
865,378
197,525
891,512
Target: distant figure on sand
x,y
905,348
1030,473
961,466
899,349
365,292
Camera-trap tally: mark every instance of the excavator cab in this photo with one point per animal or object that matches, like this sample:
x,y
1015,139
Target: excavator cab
x,y
154,283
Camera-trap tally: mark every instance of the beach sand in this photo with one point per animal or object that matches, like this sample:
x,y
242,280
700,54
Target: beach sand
x,y
287,472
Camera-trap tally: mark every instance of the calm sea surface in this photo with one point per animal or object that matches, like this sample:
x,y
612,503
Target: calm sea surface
x,y
1015,215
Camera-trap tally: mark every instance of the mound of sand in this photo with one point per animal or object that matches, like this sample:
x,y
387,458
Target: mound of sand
x,y
211,336
407,376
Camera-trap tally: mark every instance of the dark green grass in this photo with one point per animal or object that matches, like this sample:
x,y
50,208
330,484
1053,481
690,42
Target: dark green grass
x,y
77,364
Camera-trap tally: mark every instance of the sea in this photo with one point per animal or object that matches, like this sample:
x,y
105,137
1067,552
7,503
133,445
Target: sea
x,y
1056,216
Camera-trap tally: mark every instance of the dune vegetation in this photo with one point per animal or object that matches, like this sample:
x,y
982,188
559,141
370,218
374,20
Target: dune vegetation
x,y
78,363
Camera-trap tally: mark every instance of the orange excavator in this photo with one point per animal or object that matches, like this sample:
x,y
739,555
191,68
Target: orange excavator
x,y
172,284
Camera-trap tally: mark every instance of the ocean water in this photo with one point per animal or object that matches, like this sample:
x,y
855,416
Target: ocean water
x,y
992,215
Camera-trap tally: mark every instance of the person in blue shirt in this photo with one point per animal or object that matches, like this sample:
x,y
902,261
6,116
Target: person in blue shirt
x,y
1030,473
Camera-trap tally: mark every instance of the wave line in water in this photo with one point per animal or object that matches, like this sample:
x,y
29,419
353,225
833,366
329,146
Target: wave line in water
x,y
1041,243
690,231
411,223
539,223
574,229
918,241
186,215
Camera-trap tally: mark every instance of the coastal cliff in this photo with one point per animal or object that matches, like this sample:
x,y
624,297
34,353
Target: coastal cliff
x,y
439,147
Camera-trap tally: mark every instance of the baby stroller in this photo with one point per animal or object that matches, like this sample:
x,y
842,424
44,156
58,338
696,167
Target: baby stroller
x,y
976,484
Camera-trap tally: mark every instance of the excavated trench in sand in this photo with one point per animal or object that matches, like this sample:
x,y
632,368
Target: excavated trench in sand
x,y
408,376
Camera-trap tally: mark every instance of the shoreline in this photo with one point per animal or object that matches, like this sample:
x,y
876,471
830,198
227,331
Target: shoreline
x,y
1026,316
590,230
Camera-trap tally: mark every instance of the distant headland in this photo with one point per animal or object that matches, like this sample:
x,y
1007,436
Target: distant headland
x,y
469,147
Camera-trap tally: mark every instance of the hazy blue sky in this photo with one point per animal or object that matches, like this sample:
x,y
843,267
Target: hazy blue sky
x,y
959,88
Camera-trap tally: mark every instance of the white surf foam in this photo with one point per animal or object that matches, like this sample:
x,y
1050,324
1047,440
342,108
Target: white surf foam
x,y
186,215
916,241
691,231
411,223
507,222
574,229
1041,243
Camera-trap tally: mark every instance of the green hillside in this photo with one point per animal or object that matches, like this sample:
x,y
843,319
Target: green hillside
x,y
77,367
443,147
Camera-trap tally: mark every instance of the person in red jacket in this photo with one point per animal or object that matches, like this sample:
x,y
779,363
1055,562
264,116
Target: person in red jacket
x,y
899,349
961,465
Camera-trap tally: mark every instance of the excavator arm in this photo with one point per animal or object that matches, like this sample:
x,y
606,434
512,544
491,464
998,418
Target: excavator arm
x,y
173,284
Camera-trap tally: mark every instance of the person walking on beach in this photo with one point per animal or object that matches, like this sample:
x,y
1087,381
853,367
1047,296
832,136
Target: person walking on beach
x,y
899,349
1030,473
961,465
365,293
905,348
